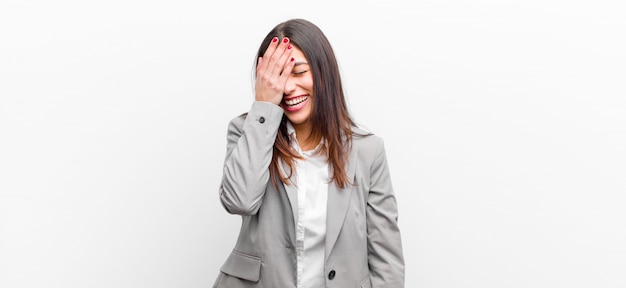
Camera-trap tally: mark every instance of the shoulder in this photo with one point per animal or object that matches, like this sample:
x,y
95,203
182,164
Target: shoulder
x,y
368,150
366,141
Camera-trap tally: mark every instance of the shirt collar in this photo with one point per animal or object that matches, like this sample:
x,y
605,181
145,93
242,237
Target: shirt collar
x,y
290,130
292,136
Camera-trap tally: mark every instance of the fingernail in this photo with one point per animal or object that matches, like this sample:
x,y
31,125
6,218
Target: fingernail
x,y
285,40
291,59
289,47
275,39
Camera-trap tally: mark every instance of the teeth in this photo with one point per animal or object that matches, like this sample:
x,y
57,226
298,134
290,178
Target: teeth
x,y
296,101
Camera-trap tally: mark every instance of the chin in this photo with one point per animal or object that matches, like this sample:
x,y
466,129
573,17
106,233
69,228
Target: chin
x,y
297,118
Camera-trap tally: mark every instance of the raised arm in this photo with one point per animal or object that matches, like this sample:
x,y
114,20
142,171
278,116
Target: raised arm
x,y
250,142
251,138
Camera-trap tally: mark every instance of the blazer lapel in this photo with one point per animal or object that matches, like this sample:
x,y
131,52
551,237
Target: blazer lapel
x,y
338,200
292,192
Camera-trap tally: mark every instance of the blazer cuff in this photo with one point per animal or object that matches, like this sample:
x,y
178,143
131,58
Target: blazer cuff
x,y
264,116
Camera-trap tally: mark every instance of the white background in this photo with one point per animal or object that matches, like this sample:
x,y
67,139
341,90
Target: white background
x,y
504,123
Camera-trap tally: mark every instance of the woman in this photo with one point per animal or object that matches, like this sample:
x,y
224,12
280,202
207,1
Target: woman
x,y
313,189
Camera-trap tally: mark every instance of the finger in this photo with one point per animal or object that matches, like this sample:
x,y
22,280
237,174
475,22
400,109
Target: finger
x,y
287,69
261,65
271,48
286,59
280,57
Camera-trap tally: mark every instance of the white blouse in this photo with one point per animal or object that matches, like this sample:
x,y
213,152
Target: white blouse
x,y
312,176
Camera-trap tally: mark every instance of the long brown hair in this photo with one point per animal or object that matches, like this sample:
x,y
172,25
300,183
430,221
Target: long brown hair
x,y
332,121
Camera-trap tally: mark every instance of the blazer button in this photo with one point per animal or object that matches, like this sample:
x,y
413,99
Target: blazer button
x,y
262,120
331,275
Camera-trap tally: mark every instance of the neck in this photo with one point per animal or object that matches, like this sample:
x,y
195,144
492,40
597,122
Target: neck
x,y
303,133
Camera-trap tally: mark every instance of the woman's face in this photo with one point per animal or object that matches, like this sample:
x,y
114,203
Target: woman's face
x,y
298,98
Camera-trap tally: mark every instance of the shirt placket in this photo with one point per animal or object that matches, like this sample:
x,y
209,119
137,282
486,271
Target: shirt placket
x,y
300,229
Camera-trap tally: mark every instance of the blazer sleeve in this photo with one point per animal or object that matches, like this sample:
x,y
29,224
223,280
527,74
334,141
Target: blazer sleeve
x,y
384,245
250,142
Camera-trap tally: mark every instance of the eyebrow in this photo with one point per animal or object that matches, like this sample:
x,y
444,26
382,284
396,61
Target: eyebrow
x,y
300,63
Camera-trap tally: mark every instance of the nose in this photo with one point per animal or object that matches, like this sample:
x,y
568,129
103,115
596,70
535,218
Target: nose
x,y
290,85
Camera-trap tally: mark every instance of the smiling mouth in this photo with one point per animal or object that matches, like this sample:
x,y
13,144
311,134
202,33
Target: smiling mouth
x,y
296,100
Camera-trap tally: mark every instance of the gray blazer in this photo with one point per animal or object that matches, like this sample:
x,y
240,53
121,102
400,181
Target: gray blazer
x,y
363,245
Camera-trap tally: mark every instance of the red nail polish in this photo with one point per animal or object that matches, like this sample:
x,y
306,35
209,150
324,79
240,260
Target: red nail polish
x,y
291,59
289,47
285,40
275,39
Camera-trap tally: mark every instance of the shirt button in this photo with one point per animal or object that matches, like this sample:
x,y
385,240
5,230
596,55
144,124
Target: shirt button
x,y
262,120
331,275
299,252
